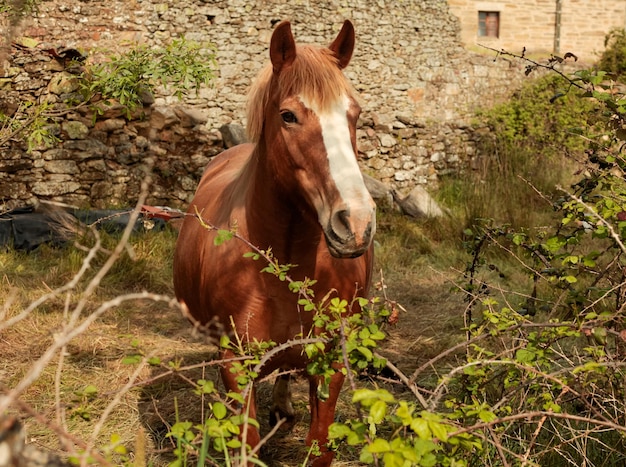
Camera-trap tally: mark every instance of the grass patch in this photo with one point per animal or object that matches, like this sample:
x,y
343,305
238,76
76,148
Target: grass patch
x,y
407,253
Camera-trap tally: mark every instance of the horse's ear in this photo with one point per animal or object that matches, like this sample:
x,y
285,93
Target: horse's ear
x,y
282,46
343,45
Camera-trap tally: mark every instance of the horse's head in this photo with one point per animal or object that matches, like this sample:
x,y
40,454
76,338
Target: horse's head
x,y
309,127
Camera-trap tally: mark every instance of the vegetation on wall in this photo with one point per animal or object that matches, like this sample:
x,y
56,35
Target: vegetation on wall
x,y
128,79
131,77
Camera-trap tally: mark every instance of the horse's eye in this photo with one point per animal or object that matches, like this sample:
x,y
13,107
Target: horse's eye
x,y
288,117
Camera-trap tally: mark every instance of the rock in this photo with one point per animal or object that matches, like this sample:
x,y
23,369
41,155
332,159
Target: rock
x,y
190,117
75,129
15,165
27,42
418,203
163,117
145,96
233,134
55,188
110,109
8,107
63,83
381,193
110,124
83,149
61,167
386,140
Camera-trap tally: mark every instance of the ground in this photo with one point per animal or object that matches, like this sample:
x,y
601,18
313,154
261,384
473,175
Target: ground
x,y
100,396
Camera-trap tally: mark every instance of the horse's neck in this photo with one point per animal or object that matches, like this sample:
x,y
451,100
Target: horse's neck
x,y
282,217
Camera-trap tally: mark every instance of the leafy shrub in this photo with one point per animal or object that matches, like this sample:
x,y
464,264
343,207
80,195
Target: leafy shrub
x,y
531,145
553,348
182,64
613,58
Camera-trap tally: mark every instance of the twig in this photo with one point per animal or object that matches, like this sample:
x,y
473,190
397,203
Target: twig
x,y
267,437
538,414
407,382
550,66
590,210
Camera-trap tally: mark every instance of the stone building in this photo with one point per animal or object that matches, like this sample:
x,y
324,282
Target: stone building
x,y
541,26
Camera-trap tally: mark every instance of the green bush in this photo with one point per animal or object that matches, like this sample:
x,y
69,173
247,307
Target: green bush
x,y
183,65
613,58
532,144
552,348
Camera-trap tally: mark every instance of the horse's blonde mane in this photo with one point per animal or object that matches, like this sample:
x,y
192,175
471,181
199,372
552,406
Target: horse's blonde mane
x,y
314,74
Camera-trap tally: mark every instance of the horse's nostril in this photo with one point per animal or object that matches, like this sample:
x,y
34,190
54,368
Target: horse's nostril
x,y
340,226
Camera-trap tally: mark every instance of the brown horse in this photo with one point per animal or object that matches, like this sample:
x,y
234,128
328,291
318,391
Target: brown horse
x,y
296,189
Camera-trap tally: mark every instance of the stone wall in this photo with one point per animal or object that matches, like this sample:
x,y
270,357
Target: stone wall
x,y
101,157
418,88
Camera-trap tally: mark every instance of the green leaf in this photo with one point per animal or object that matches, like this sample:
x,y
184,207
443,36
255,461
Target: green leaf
x,y
378,445
225,342
570,279
90,390
554,244
421,428
236,396
486,416
518,238
120,449
439,430
571,259
338,431
367,353
405,412
234,443
525,356
219,410
378,410
222,236
132,359
369,396
154,361
366,457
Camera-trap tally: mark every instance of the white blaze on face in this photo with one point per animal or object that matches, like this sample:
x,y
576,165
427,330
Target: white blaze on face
x,y
344,168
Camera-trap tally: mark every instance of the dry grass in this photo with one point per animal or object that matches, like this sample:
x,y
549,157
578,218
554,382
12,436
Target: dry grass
x,y
144,414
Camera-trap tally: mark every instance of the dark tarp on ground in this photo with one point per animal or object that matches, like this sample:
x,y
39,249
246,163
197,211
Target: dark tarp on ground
x,y
26,228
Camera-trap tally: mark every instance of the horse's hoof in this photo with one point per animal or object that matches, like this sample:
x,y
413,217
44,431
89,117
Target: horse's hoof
x,y
289,420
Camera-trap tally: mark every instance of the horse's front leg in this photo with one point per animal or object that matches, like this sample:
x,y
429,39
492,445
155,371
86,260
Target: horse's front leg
x,y
322,415
249,436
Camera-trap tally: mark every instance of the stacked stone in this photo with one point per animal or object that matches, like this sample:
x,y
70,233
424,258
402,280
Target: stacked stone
x,y
417,86
101,157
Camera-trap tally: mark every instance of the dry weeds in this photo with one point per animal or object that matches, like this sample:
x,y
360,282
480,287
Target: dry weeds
x,y
86,396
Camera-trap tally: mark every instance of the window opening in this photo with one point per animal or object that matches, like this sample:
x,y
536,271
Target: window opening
x,y
489,23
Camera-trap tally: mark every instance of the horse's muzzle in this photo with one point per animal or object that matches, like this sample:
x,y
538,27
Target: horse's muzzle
x,y
350,236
